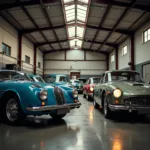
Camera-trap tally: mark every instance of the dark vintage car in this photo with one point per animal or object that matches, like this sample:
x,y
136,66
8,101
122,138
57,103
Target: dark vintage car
x,y
89,87
19,97
122,91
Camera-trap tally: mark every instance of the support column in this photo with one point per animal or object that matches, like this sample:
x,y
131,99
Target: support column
x,y
34,60
43,64
116,57
84,54
132,65
19,49
65,54
107,62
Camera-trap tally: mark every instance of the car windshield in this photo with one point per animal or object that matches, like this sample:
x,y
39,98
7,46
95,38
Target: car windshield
x,y
12,75
82,81
126,76
40,79
95,80
76,81
63,79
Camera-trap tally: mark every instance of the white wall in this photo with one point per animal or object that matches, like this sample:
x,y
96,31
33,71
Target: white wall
x,y
112,64
123,60
94,65
39,58
9,36
142,51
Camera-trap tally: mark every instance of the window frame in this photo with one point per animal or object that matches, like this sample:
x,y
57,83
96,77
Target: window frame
x,y
39,64
5,49
143,35
112,56
123,50
27,61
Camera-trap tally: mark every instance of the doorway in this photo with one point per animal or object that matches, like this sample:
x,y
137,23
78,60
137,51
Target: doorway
x,y
146,72
74,75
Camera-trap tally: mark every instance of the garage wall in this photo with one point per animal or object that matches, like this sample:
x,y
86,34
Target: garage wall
x,y
112,64
123,60
39,58
142,51
94,65
9,36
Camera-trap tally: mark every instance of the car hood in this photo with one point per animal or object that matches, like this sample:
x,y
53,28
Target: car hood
x,y
133,88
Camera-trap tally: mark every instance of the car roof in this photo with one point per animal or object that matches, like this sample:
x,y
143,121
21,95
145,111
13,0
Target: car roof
x,y
120,71
50,75
4,70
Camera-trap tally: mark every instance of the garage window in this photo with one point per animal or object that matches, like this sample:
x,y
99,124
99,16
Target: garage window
x,y
39,65
112,58
27,59
124,50
6,49
146,35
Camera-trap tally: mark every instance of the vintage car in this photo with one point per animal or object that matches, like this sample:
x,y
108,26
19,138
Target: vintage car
x,y
122,91
77,85
56,79
20,97
89,87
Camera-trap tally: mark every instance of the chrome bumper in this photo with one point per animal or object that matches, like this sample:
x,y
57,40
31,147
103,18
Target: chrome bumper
x,y
141,110
54,107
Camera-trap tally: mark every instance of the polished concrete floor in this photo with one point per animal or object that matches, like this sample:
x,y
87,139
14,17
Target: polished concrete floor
x,y
82,129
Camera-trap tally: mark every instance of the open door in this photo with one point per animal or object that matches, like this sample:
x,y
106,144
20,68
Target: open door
x,y
74,75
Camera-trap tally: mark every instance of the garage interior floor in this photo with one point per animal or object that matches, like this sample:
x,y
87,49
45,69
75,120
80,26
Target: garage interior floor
x,y
82,129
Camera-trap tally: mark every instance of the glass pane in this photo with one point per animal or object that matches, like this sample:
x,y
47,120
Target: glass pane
x,y
67,1
148,37
145,33
81,11
70,18
81,19
145,39
149,31
69,7
82,7
84,1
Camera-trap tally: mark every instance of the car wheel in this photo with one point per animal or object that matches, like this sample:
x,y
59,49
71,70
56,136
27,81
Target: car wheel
x,y
96,106
84,96
12,112
107,111
55,116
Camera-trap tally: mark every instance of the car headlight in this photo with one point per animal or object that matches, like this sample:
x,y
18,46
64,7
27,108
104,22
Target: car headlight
x,y
91,89
117,93
43,95
75,93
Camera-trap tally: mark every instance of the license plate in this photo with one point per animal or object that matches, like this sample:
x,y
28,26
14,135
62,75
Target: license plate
x,y
144,110
63,111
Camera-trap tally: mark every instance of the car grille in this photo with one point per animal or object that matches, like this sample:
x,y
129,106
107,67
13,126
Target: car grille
x,y
138,100
59,96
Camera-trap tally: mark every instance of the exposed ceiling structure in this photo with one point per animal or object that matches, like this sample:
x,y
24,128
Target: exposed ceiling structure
x,y
94,25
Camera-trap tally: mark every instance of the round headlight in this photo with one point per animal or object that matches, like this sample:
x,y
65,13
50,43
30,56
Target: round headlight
x,y
75,93
43,95
91,89
117,93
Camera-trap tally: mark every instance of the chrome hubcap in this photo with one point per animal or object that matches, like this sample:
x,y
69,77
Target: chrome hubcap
x,y
12,110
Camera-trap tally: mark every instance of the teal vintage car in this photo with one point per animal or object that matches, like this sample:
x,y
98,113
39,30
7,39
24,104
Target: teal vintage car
x,y
77,85
19,97
122,91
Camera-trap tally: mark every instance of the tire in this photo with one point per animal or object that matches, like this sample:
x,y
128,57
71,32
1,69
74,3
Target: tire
x,y
12,113
84,96
106,110
96,106
57,117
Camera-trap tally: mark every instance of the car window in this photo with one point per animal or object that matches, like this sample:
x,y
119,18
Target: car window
x,y
106,77
50,79
40,79
63,79
102,79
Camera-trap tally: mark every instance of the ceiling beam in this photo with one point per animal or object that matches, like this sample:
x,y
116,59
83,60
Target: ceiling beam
x,y
50,42
67,49
27,31
89,41
19,3
117,23
97,42
31,19
124,4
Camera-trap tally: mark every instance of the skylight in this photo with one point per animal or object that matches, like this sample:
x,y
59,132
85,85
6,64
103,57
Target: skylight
x,y
75,12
